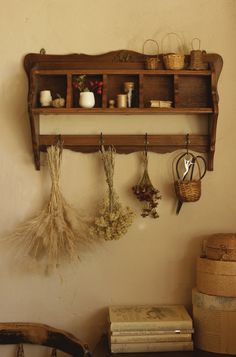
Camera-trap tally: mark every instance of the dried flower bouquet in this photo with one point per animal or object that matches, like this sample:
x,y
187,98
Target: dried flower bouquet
x,y
113,219
147,193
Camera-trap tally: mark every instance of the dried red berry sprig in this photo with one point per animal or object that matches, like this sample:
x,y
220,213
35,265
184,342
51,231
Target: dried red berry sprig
x,y
148,194
82,83
96,86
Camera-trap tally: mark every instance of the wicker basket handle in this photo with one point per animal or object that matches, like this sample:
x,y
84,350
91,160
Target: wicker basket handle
x,y
150,40
199,43
178,39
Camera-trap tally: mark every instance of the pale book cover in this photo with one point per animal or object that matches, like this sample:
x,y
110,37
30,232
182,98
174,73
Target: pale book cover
x,y
151,347
151,332
151,338
149,317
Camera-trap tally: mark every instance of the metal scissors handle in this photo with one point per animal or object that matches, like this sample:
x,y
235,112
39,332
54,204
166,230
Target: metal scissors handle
x,y
190,165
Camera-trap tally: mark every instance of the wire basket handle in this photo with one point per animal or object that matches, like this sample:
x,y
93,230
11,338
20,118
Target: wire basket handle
x,y
178,39
157,46
199,44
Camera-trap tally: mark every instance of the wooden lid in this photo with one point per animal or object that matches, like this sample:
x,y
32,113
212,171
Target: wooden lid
x,y
222,240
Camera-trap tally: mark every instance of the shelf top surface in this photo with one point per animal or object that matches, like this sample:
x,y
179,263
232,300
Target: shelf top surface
x,y
120,72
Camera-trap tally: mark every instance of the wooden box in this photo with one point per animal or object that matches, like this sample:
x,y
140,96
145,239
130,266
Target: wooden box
x,y
221,246
214,320
216,277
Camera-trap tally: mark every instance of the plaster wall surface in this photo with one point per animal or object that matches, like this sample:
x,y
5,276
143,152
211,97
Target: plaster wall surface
x,y
155,261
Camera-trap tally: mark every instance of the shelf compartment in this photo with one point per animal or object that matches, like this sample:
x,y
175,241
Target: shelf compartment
x,y
194,91
89,78
157,87
56,83
115,86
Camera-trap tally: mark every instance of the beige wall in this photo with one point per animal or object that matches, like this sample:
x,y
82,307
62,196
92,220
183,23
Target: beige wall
x,y
155,261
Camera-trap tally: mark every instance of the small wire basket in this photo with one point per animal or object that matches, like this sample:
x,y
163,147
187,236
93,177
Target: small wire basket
x,y
173,61
151,62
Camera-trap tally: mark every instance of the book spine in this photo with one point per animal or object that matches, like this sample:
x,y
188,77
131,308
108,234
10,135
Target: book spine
x,y
151,332
162,326
151,347
153,338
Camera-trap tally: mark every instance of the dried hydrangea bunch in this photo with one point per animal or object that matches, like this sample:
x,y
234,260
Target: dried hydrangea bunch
x,y
147,193
113,219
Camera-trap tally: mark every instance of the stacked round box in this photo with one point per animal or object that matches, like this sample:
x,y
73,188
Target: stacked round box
x,y
214,300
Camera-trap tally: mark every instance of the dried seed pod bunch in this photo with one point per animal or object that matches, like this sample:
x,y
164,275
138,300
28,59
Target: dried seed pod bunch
x,y
147,193
113,219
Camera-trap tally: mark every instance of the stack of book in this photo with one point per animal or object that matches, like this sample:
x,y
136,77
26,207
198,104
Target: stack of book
x,y
150,329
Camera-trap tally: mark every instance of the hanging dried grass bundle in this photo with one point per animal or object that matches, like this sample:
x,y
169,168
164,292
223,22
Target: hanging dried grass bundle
x,y
113,219
57,232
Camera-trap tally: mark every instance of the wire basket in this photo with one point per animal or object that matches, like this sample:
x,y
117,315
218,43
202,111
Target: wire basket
x,y
151,62
173,61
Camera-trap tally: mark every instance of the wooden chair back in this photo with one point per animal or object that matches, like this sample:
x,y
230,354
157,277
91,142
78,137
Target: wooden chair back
x,y
39,334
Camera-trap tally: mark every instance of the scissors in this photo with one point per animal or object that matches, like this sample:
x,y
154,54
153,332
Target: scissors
x,y
188,162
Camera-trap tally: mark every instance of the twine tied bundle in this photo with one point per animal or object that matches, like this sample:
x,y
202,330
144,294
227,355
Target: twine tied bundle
x,y
147,193
113,219
55,234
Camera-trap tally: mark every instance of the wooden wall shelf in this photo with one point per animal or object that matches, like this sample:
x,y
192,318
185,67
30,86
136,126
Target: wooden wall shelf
x,y
191,92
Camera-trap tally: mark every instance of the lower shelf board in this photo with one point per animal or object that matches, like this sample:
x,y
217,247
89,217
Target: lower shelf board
x,y
52,111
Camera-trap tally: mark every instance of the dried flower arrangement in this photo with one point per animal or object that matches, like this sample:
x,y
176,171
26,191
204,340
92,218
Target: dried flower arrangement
x,y
57,232
147,193
113,219
82,83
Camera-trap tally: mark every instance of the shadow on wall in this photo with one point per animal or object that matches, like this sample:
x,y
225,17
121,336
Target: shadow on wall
x,y
15,101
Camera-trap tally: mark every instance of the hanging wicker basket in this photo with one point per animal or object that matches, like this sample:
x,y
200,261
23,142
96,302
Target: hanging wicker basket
x,y
151,62
173,61
187,190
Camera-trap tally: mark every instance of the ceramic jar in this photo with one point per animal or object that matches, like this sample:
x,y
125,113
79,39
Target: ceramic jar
x,y
86,99
45,98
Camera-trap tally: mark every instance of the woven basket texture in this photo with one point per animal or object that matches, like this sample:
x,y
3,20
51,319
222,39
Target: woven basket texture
x,y
173,61
221,246
188,191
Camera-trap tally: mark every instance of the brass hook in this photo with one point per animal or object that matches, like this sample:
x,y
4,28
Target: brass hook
x,y
187,142
60,143
146,142
101,140
42,51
